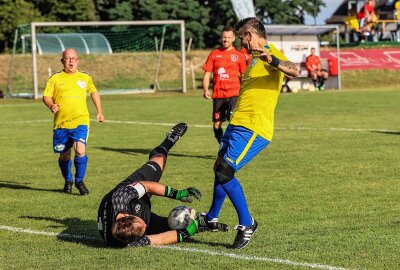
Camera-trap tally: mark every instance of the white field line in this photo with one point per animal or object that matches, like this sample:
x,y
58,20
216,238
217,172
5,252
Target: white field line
x,y
209,126
189,250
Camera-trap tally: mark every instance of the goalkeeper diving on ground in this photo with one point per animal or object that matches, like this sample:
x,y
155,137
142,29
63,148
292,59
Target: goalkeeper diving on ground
x,y
124,216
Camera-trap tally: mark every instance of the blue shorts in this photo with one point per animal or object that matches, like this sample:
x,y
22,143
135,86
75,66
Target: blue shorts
x,y
239,145
64,138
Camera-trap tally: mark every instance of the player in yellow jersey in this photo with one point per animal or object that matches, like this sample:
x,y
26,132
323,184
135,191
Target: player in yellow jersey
x,y
65,95
252,124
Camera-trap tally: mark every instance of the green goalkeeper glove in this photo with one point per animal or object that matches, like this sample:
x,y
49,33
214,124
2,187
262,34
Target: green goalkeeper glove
x,y
185,195
186,233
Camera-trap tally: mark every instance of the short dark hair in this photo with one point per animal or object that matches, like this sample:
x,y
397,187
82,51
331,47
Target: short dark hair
x,y
252,22
126,229
228,29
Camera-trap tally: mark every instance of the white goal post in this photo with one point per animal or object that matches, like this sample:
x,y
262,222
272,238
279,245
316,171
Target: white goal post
x,y
179,23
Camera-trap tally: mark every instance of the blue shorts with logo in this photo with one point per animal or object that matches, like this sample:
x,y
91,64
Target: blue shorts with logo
x,y
64,138
239,145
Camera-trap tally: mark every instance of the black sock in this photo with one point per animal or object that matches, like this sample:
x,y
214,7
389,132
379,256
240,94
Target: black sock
x,y
218,132
315,83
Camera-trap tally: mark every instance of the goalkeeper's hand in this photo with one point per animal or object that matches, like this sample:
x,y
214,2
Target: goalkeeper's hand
x,y
186,233
185,195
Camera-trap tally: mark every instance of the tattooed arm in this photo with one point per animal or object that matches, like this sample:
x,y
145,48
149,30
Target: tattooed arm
x,y
287,67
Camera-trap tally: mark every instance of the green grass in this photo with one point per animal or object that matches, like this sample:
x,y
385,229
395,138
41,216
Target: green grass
x,y
321,194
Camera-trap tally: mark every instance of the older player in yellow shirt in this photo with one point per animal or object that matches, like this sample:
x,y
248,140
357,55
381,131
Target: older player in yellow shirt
x,y
252,124
65,95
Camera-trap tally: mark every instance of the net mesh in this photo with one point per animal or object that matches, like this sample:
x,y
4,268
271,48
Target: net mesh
x,y
119,58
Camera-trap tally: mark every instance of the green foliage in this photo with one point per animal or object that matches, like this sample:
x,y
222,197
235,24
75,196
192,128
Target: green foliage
x,y
58,10
204,19
12,14
286,12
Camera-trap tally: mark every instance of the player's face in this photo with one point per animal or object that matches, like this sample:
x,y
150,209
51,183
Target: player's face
x,y
227,39
245,40
140,225
312,51
70,61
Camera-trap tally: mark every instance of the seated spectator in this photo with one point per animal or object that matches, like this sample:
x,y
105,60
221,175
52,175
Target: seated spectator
x,y
318,75
366,13
397,17
353,26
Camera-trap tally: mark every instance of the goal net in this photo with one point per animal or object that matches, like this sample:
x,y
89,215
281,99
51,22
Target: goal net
x,y
121,56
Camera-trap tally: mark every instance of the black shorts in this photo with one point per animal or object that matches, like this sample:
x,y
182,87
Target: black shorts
x,y
223,108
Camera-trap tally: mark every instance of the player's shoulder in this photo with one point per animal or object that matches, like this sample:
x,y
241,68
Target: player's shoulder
x,y
56,74
84,73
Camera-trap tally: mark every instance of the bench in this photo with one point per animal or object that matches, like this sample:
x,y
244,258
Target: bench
x,y
303,82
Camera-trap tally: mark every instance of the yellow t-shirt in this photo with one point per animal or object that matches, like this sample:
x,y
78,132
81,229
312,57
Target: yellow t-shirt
x,y
397,7
69,91
259,92
352,22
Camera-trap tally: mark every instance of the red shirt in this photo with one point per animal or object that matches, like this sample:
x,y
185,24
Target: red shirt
x,y
361,13
226,66
312,62
246,55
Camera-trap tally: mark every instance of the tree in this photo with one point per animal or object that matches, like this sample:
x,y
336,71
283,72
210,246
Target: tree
x,y
287,11
12,14
59,10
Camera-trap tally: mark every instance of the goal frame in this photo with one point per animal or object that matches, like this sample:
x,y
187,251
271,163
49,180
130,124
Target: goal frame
x,y
34,25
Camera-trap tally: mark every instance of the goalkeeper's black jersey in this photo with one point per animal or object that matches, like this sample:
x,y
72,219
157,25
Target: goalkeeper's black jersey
x,y
111,205
124,198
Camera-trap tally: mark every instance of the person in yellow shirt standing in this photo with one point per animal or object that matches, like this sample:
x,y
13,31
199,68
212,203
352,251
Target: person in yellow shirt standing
x,y
65,95
252,124
397,17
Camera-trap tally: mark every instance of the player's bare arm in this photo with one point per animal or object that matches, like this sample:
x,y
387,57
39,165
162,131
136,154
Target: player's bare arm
x,y
206,84
97,103
48,101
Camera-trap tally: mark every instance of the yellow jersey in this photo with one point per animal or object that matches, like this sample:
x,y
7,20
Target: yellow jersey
x,y
397,8
69,91
352,22
258,96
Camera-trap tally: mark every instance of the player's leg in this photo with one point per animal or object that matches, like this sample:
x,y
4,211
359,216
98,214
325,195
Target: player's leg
x,y
80,136
62,145
218,117
314,77
244,145
323,78
231,106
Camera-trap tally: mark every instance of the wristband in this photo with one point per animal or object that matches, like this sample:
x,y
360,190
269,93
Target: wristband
x,y
170,192
274,62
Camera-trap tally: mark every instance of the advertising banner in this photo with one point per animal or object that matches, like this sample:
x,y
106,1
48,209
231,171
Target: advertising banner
x,y
384,58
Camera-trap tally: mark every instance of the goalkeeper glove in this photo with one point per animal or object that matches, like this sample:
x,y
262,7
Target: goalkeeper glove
x,y
185,233
185,195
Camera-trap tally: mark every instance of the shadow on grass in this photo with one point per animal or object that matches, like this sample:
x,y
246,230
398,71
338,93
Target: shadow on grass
x,y
16,185
84,231
76,230
387,132
133,151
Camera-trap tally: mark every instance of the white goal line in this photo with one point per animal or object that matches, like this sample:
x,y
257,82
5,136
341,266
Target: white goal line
x,y
191,250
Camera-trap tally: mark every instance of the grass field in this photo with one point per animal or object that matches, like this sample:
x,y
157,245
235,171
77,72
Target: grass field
x,y
325,192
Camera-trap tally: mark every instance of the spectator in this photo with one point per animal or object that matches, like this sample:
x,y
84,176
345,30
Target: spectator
x,y
227,65
366,13
353,26
318,75
397,17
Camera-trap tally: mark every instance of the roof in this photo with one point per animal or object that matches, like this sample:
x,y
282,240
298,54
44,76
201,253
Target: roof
x,y
298,29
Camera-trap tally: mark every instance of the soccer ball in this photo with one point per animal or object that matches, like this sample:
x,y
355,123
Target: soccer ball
x,y
180,217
